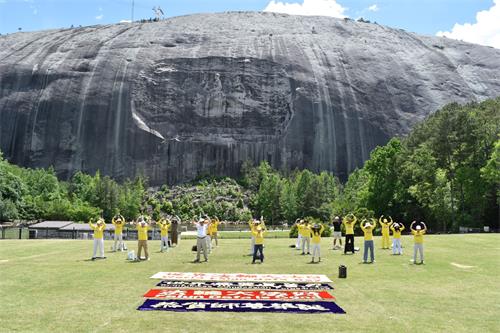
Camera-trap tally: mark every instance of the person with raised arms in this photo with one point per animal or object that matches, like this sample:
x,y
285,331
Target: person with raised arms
x,y
316,232
337,232
201,238
418,231
385,224
118,221
98,228
305,233
349,222
368,229
298,223
213,231
142,227
164,228
252,224
397,228
258,233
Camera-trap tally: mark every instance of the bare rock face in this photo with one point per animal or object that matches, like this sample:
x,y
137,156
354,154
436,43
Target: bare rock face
x,y
201,94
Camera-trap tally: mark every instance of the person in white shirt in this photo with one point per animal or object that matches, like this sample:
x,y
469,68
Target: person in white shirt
x,y
201,238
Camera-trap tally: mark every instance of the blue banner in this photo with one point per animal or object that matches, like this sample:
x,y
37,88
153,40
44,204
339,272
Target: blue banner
x,y
239,306
243,285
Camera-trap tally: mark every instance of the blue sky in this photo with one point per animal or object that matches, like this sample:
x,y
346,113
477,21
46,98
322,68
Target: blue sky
x,y
421,16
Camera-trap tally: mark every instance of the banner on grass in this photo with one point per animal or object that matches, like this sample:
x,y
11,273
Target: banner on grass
x,y
242,277
190,294
243,285
240,306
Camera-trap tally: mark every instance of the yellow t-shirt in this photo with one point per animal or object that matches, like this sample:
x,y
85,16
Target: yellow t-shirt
x,y
213,227
349,226
164,227
385,227
118,227
98,230
259,236
368,232
418,236
316,238
395,233
305,230
142,232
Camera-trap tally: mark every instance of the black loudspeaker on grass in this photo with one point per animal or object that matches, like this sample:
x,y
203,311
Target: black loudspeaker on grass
x,y
194,248
342,272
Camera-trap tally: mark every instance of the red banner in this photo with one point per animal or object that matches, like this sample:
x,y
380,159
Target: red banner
x,y
190,294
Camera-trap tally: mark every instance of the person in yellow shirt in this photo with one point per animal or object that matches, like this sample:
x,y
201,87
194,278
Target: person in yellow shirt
x,y
142,227
253,224
164,228
258,233
418,231
316,232
305,234
349,222
98,228
213,229
298,223
368,229
118,221
397,228
385,224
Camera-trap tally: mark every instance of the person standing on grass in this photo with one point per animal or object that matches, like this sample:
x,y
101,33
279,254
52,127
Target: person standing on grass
x,y
253,224
418,231
316,232
164,228
305,232
385,231
98,228
368,228
337,232
298,223
118,221
349,222
142,227
201,238
213,231
258,233
397,228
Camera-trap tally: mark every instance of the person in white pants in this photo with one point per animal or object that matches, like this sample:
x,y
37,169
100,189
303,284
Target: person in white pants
x,y
316,232
118,221
298,222
164,227
397,228
418,234
305,231
98,228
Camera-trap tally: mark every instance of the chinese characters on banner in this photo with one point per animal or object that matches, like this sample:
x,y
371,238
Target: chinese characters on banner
x,y
242,277
242,285
240,306
192,294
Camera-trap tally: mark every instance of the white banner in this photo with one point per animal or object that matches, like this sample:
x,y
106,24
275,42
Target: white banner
x,y
237,277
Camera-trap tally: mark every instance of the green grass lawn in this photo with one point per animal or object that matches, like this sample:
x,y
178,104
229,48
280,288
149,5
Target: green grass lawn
x,y
50,285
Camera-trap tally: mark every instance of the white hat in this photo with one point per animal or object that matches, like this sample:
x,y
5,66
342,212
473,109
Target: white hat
x,y
418,227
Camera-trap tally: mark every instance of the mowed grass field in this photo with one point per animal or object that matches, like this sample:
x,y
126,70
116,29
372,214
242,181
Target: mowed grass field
x,y
51,286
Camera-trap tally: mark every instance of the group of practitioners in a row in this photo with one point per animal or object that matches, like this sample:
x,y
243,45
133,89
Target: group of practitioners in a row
x,y
206,232
309,233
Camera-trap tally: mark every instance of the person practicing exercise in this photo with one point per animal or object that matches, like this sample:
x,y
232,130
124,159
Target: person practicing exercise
x,y
118,221
397,228
349,222
98,228
418,231
164,228
298,242
368,228
201,238
337,233
142,227
258,234
213,231
305,234
385,224
316,232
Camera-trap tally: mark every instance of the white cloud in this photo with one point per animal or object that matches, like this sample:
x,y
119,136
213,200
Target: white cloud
x,y
125,21
485,31
308,7
99,17
373,8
